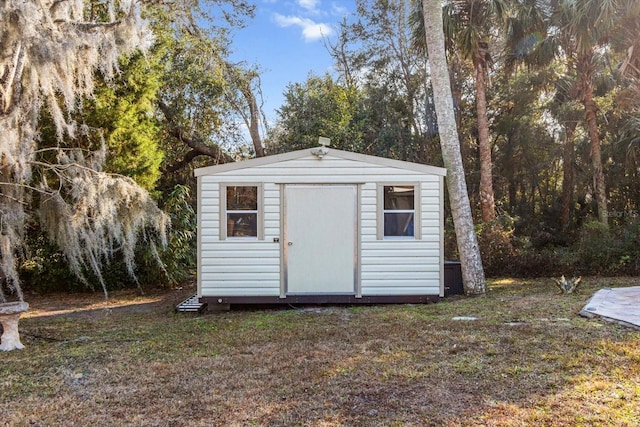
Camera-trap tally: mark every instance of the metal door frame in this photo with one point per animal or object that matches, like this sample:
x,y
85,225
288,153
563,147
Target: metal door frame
x,y
284,287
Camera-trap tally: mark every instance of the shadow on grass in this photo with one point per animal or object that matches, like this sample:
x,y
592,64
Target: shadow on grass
x,y
95,305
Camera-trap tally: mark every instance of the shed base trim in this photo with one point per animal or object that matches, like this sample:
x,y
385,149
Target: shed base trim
x,y
321,299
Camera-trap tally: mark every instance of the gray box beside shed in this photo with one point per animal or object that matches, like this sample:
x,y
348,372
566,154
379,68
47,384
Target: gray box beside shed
x,y
320,225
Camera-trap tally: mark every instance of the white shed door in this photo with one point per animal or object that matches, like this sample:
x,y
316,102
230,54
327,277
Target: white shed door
x,y
320,239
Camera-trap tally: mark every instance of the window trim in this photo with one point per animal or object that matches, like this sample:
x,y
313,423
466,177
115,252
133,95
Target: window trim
x,y
224,212
417,214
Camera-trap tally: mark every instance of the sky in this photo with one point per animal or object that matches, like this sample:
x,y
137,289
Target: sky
x,y
285,40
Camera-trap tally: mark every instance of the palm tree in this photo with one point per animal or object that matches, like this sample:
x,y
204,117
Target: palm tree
x,y
582,30
566,111
472,271
468,25
470,31
578,33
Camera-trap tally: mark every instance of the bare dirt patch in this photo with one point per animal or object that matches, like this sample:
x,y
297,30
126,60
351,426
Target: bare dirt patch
x,y
94,304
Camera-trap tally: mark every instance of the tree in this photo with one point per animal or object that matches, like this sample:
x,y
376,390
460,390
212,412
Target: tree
x,y
121,113
525,161
469,24
582,31
566,111
205,100
192,91
470,29
472,271
125,114
374,54
50,54
242,93
317,107
387,59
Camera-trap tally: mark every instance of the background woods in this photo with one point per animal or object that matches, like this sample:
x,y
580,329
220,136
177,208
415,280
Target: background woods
x,y
548,130
545,94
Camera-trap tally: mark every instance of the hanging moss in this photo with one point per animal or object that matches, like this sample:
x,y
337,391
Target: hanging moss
x,y
50,58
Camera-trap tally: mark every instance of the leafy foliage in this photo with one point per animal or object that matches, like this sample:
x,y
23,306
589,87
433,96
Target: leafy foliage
x,y
374,53
50,56
125,114
45,268
597,250
317,107
496,243
204,98
179,255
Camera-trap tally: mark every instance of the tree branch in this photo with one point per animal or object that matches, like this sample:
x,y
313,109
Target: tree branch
x,y
88,26
198,147
191,154
10,80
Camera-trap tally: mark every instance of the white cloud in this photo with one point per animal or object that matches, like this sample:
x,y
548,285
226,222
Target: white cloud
x,y
338,10
311,31
309,4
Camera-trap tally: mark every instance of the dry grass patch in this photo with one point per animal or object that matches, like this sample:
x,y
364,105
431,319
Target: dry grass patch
x,y
528,359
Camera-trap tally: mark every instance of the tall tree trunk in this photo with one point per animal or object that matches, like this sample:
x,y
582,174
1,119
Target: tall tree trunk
x,y
590,109
454,72
254,121
509,175
487,202
567,175
472,271
250,111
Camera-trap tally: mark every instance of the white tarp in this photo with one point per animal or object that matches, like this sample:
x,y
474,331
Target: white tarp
x,y
620,305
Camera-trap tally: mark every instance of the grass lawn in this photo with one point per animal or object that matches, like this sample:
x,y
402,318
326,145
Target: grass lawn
x,y
528,359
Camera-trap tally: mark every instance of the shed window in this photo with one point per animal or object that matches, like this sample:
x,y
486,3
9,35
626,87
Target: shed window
x,y
242,211
399,211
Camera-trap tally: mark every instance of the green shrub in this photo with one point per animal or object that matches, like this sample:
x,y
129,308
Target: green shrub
x,y
496,241
45,268
598,249
629,262
549,261
594,249
179,257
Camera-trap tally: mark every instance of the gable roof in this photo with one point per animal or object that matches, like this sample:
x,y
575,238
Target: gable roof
x,y
332,152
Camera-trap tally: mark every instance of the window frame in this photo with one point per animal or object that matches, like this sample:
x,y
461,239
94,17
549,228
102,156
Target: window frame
x,y
224,213
417,216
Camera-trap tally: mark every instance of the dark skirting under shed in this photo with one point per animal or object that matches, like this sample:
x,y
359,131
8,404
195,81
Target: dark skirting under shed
x,y
453,278
321,299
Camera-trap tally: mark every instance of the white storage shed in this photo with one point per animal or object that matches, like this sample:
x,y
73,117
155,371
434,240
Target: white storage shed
x,y
320,225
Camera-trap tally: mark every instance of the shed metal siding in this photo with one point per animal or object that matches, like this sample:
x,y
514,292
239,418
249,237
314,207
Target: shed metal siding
x,y
401,267
253,267
237,267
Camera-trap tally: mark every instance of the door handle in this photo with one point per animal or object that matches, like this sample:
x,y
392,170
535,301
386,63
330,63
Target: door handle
x,y
290,244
